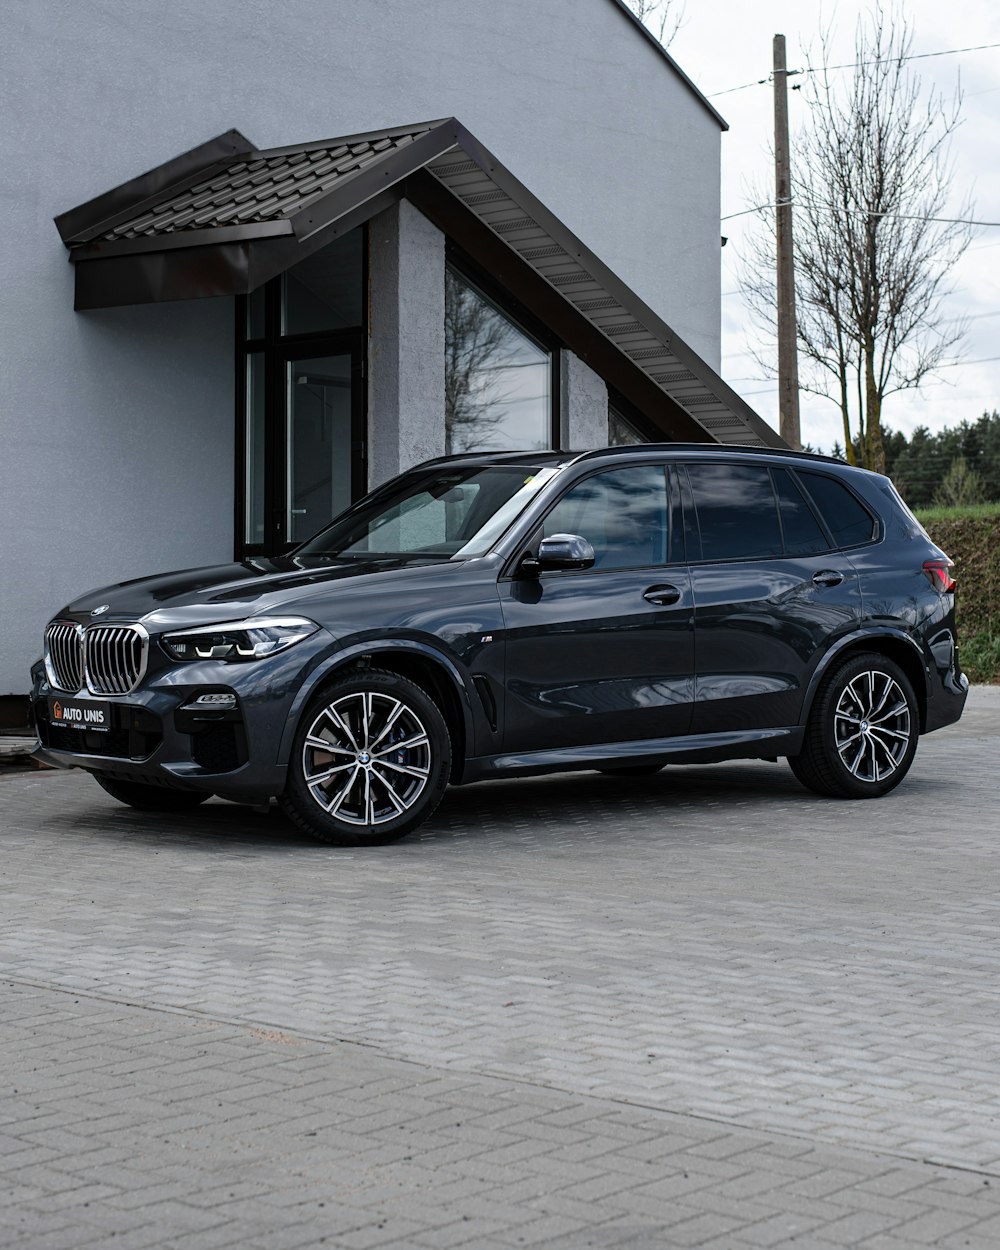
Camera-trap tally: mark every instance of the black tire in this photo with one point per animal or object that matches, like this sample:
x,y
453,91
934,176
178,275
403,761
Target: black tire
x,y
633,770
150,798
861,735
389,792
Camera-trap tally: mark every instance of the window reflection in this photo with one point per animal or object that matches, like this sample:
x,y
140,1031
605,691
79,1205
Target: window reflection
x,y
324,291
802,534
736,511
621,433
319,440
497,379
622,514
848,521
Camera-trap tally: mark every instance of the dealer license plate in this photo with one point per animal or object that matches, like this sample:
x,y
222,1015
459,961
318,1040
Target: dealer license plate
x,y
80,713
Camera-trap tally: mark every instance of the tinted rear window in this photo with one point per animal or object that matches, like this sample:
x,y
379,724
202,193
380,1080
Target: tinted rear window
x,y
736,511
802,532
847,520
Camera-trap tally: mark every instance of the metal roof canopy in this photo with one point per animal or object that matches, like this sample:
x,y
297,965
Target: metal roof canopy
x,y
224,218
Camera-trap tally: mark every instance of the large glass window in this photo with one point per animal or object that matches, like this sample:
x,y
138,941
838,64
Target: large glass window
x,y
498,380
302,338
324,291
621,513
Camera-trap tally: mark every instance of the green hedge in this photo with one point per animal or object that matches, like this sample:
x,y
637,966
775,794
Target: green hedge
x,y
972,539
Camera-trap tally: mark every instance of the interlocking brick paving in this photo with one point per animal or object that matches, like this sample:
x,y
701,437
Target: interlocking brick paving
x,y
796,996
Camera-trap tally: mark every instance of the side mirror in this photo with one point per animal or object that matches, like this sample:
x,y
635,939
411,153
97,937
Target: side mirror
x,y
561,551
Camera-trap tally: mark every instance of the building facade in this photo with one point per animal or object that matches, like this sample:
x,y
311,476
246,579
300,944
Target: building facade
x,y
286,284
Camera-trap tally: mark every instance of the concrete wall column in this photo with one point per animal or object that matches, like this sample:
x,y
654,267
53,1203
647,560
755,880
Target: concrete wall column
x,y
584,407
406,349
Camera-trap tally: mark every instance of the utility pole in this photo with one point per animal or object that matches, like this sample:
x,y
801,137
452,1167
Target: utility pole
x,y
788,366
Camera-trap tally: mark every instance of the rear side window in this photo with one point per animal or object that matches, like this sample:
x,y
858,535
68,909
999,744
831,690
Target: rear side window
x,y
848,521
802,532
622,514
736,509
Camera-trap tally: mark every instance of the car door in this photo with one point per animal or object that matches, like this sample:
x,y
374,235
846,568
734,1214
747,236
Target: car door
x,y
603,654
770,593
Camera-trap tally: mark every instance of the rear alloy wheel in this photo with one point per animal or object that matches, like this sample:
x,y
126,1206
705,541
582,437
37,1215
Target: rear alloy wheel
x,y
146,798
862,732
370,763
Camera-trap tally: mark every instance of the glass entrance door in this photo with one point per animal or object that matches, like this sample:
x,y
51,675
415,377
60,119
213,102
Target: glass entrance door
x,y
301,449
303,445
319,438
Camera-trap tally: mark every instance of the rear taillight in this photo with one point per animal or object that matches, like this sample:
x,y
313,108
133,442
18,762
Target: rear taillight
x,y
939,574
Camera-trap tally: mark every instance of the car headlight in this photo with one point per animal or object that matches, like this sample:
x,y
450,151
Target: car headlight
x,y
240,640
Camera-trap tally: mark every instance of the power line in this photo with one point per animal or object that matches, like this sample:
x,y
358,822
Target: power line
x,y
956,364
866,212
759,82
916,56
816,69
756,209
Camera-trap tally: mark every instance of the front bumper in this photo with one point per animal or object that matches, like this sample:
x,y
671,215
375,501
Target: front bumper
x,y
155,737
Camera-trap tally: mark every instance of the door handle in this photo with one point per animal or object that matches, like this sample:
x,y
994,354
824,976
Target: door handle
x,y
663,595
828,577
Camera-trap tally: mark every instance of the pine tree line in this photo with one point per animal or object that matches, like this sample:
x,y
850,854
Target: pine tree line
x,y
957,465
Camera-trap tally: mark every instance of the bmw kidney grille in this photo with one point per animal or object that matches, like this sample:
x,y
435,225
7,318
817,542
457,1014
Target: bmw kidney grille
x,y
109,659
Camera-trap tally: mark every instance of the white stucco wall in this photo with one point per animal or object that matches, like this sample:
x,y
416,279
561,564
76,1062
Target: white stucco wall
x,y
406,343
117,455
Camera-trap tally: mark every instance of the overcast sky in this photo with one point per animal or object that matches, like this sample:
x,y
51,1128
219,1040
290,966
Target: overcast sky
x,y
723,44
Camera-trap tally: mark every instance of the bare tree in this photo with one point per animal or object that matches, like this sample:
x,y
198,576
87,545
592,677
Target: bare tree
x,y
870,183
662,17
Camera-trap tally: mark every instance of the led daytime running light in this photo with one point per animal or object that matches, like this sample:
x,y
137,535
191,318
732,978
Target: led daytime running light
x,y
238,641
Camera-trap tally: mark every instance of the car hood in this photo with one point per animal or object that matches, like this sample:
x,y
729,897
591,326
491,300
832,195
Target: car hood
x,y
230,592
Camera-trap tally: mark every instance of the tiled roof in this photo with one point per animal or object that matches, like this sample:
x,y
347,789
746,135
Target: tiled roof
x,y
270,185
267,206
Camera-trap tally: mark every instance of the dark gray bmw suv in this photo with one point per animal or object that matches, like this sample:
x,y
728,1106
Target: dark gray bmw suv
x,y
502,614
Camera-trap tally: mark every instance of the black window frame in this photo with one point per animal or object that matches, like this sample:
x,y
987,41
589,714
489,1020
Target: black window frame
x,y
279,350
492,290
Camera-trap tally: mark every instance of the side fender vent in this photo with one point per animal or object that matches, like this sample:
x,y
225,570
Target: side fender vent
x,y
488,701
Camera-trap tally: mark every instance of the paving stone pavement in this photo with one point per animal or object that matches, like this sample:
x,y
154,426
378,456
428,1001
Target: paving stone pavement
x,y
705,1008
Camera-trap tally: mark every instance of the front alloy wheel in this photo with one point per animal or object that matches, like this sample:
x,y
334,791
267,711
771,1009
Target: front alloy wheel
x,y
370,763
861,735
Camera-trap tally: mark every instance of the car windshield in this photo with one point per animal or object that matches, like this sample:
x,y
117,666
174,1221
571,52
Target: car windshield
x,y
452,513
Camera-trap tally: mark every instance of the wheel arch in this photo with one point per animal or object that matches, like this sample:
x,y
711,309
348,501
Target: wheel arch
x,y
895,645
434,673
